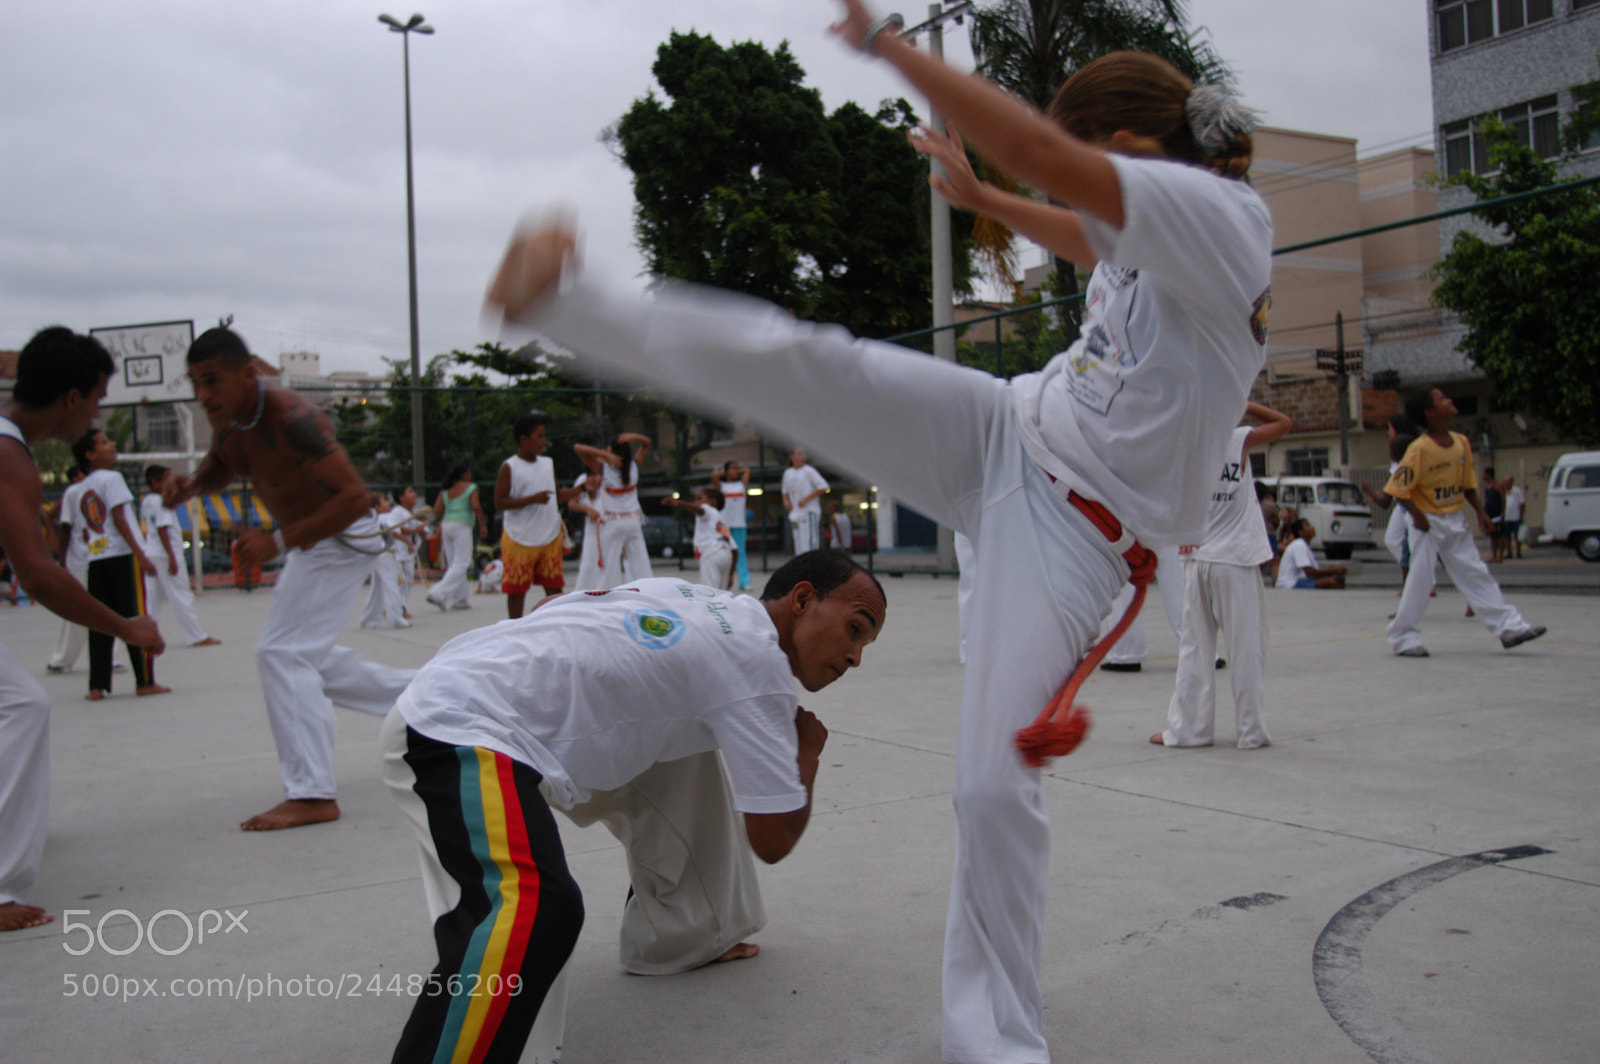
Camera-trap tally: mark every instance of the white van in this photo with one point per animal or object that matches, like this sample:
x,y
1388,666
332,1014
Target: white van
x,y
1572,504
1336,509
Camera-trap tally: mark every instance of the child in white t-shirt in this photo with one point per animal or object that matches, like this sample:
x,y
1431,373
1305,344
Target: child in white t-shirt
x,y
713,545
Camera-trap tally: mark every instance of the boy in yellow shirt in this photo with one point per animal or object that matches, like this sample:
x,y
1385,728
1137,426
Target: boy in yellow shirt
x,y
1434,482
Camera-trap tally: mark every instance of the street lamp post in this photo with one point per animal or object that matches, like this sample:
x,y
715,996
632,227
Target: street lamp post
x,y
414,24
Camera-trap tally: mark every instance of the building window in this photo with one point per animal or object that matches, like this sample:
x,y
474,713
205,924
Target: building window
x,y
1576,4
1307,462
1464,22
161,425
1536,123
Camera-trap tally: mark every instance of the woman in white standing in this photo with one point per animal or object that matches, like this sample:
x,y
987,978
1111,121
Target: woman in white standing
x,y
458,509
163,539
1056,476
733,480
622,547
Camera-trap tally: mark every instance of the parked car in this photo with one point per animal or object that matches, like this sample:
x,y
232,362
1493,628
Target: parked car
x,y
665,536
1335,508
1572,504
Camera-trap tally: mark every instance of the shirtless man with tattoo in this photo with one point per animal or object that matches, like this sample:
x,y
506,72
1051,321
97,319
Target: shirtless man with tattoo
x,y
319,505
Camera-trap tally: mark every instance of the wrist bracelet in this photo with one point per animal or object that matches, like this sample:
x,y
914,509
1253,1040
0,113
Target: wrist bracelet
x,y
895,22
277,537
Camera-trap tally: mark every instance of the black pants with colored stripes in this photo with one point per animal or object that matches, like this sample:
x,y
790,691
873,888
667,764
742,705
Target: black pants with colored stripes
x,y
118,583
509,936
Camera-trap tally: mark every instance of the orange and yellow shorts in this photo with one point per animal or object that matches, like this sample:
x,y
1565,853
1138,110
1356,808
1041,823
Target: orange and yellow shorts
x,y
526,566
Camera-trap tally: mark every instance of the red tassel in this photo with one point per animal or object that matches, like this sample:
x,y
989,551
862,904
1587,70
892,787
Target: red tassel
x,y
1063,725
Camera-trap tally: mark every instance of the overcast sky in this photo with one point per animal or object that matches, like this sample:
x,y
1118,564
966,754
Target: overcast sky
x,y
186,159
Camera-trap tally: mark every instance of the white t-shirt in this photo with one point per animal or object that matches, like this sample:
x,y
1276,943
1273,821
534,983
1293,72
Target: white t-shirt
x,y
798,483
593,688
536,524
72,516
1515,500
706,537
615,496
155,516
733,503
1135,411
1234,532
1297,558
103,491
400,520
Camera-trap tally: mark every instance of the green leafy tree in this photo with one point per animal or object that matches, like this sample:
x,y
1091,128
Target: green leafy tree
x,y
742,180
1528,297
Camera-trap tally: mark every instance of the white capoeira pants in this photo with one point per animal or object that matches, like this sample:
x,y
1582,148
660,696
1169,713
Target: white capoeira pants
x,y
695,891
1230,597
1449,540
623,555
407,564
24,777
73,637
1132,648
807,528
163,586
944,440
385,606
303,674
716,566
589,575
455,541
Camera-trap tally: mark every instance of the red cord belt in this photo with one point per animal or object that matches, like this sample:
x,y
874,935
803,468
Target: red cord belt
x,y
1062,726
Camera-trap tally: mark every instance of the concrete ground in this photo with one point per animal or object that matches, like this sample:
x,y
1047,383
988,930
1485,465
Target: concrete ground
x,y
1410,873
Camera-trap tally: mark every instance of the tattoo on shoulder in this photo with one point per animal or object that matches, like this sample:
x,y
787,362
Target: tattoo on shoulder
x,y
304,433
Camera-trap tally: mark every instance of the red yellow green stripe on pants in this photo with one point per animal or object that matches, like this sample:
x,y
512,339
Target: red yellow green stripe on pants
x,y
505,907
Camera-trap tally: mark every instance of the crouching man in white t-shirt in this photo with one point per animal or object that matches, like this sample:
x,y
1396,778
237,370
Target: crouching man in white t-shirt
x,y
584,695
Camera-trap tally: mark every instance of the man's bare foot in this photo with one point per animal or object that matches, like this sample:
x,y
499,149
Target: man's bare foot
x,y
208,641
293,813
740,952
14,916
152,689
95,694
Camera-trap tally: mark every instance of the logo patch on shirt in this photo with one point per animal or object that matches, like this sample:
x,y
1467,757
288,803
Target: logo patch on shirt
x,y
1258,316
657,629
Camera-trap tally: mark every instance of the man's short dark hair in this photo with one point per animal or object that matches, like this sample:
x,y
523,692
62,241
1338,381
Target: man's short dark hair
x,y
219,342
1417,406
82,446
154,473
825,570
56,361
526,425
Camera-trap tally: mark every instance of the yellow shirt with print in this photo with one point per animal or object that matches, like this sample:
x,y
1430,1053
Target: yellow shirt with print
x,y
1434,477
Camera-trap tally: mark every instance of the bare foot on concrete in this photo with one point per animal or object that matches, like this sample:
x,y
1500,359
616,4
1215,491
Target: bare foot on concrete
x,y
95,694
14,916
740,952
208,641
152,689
293,813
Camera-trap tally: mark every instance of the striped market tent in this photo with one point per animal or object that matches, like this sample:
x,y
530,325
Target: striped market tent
x,y
227,510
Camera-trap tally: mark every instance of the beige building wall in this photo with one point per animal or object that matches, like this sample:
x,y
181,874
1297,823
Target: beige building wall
x,y
1310,184
1394,187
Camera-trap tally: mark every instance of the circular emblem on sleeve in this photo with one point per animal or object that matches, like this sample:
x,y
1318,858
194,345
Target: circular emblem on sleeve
x,y
1258,316
654,628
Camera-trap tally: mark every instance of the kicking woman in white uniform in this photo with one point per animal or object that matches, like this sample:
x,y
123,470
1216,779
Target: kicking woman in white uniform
x,y
622,548
1054,476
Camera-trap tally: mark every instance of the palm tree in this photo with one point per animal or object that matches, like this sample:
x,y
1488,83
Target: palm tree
x,y
1030,47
